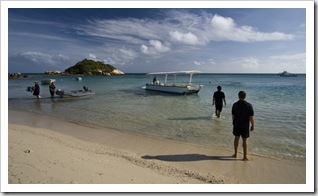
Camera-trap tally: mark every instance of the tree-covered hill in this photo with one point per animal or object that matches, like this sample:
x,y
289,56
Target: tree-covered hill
x,y
91,67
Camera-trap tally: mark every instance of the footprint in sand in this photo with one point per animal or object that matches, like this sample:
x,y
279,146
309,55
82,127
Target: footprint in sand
x,y
27,151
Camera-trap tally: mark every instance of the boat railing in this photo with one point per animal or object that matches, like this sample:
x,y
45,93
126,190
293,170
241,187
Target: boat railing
x,y
177,84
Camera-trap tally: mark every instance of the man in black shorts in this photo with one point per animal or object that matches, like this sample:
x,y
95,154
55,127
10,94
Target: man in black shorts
x,y
242,115
218,98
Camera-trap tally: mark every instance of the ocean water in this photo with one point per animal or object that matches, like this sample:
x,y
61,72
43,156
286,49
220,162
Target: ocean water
x,y
122,104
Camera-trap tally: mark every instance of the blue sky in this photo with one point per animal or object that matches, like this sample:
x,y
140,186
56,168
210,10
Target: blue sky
x,y
224,40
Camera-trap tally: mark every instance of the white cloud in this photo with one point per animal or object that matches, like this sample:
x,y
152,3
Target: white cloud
x,y
298,56
38,61
41,36
222,23
111,61
176,36
118,56
273,64
92,57
63,57
225,28
180,26
249,63
38,57
199,63
187,38
291,62
155,47
212,61
128,54
129,30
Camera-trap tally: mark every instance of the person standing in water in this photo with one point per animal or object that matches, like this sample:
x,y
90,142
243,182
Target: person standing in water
x,y
52,89
242,116
36,90
218,99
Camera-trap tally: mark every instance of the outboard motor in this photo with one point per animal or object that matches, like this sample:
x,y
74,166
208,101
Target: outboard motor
x,y
29,88
59,92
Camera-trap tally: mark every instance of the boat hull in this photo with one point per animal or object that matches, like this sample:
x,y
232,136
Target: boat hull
x,y
47,81
290,75
78,93
175,88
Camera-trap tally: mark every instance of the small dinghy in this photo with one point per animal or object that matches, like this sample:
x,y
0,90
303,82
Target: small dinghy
x,y
75,93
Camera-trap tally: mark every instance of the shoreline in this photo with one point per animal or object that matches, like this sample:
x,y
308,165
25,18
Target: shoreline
x,y
65,144
68,129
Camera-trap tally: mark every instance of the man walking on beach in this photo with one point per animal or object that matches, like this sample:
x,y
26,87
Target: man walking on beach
x,y
218,98
242,115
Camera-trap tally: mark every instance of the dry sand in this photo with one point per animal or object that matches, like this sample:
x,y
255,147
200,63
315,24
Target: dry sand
x,y
46,150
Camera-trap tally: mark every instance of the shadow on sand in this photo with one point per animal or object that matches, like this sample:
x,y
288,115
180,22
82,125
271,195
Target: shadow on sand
x,y
189,157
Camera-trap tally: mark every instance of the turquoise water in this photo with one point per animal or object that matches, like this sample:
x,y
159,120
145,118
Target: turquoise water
x,y
120,103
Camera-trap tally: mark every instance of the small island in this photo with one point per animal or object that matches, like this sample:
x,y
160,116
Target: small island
x,y
91,67
85,67
17,75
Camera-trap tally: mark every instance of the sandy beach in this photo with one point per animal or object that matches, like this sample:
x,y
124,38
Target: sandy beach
x,y
46,150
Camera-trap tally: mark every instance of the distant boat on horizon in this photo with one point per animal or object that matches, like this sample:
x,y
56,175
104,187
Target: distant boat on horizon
x,y
287,74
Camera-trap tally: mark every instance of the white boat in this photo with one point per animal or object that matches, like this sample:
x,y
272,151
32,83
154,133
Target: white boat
x,y
176,88
287,74
75,93
78,79
47,81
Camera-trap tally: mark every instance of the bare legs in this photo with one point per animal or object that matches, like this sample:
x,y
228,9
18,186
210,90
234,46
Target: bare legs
x,y
236,143
217,113
245,145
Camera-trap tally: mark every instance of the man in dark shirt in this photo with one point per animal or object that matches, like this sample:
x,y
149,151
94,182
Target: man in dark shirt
x,y
218,98
52,89
242,115
36,90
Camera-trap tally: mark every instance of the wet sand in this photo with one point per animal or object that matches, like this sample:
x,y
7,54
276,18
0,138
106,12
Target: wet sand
x,y
46,150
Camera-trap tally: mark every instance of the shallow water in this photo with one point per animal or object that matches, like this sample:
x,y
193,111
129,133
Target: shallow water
x,y
121,103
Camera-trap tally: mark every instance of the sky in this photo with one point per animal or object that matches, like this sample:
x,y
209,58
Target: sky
x,y
142,40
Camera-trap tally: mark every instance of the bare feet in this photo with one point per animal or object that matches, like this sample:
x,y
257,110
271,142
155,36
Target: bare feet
x,y
246,159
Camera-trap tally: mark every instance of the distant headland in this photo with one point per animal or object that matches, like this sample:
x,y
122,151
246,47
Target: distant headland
x,y
85,67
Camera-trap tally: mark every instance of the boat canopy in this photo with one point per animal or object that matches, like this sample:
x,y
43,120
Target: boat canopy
x,y
175,72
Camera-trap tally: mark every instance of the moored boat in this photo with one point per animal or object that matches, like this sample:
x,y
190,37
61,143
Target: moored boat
x,y
176,88
47,81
